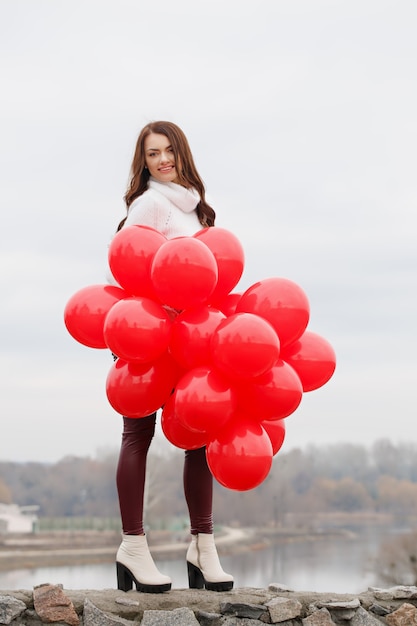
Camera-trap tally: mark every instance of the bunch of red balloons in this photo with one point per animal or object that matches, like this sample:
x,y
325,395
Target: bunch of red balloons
x,y
226,367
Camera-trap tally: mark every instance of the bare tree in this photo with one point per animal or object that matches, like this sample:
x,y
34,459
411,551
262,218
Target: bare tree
x,y
5,493
396,562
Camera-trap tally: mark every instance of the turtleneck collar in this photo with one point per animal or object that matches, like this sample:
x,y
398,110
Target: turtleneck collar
x,y
185,199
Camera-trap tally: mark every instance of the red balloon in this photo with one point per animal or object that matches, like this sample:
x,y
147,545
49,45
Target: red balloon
x,y
86,311
203,400
313,358
175,431
139,389
229,255
130,255
244,345
191,335
280,301
273,395
240,456
275,429
227,304
137,329
184,273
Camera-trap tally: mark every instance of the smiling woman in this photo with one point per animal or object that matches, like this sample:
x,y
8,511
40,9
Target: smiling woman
x,y
167,194
163,156
160,158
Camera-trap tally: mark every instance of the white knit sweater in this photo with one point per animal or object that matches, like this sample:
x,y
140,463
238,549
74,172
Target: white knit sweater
x,y
167,207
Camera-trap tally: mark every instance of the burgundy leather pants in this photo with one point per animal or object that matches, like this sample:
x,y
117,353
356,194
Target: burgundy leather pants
x,y
130,479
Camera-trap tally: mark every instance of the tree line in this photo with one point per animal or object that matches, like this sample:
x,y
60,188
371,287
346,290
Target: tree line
x,y
343,477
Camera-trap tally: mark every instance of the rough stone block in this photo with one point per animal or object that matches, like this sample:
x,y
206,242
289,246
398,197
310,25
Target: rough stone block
x,y
278,587
177,617
406,615
363,618
52,605
377,609
10,608
92,616
400,592
208,619
282,609
239,609
321,617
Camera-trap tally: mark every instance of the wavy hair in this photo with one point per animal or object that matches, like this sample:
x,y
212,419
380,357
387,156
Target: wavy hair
x,y
184,164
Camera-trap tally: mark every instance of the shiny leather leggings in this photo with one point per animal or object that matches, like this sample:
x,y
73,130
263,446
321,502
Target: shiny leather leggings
x,y
130,478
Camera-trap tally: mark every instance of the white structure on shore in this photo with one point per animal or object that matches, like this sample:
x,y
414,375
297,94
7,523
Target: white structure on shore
x,y
18,519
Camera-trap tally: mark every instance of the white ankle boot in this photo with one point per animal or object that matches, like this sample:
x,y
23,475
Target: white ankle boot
x,y
134,564
204,567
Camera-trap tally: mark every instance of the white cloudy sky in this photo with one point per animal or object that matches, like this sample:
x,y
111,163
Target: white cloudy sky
x,y
302,118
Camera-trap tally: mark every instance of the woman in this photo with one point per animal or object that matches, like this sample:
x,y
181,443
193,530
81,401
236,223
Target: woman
x,y
167,193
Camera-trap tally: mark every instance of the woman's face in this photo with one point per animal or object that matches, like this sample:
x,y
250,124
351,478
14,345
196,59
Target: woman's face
x,y
159,158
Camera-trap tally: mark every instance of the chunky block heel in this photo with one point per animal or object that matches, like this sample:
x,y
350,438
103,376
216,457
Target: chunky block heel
x,y
195,577
124,578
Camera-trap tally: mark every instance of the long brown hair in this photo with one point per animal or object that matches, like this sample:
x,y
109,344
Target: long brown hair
x,y
184,163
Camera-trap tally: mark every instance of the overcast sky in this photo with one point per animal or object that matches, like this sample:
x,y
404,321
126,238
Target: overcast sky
x,y
301,115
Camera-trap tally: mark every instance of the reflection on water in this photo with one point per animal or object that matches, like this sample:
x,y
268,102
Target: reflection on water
x,y
333,564
340,565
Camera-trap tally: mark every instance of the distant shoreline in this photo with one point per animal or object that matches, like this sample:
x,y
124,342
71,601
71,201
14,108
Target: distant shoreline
x,y
46,549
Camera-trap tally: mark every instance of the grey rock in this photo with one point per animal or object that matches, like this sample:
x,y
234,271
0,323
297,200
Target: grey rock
x,y
253,611
340,604
381,594
126,601
29,618
363,618
177,617
379,610
321,617
341,609
403,592
94,617
400,592
10,609
277,587
282,609
209,619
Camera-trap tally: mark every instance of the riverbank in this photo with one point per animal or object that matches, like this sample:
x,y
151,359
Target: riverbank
x,y
57,548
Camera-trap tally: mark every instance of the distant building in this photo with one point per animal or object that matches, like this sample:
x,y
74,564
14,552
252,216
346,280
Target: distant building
x,y
18,519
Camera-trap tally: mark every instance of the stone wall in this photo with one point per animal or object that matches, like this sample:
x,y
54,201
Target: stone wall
x,y
51,604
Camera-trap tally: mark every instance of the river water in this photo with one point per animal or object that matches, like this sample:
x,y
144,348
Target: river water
x,y
329,564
